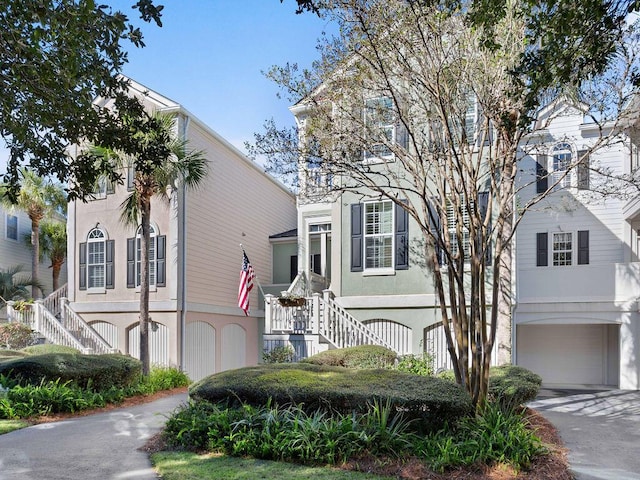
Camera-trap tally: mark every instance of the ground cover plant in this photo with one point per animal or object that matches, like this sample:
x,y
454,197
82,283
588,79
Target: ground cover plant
x,y
45,380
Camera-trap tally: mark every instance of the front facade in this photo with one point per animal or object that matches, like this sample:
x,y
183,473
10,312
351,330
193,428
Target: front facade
x,y
576,320
195,257
576,256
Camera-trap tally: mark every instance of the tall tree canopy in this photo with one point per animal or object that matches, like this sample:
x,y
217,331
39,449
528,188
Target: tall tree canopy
x,y
56,57
426,104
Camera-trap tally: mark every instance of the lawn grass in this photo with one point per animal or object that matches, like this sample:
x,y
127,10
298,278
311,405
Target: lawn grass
x,y
181,465
7,426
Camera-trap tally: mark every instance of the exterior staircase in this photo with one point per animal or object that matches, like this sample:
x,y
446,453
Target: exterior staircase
x,y
53,319
312,322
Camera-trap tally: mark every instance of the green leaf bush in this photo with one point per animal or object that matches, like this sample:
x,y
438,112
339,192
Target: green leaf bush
x,y
363,356
99,372
428,402
511,386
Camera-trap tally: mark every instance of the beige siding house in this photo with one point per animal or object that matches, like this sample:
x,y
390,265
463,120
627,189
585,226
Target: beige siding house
x,y
195,259
16,225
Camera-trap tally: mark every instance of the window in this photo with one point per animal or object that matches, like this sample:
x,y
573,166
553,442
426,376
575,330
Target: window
x,y
152,256
96,270
103,187
379,237
451,226
560,164
562,249
12,227
379,121
156,269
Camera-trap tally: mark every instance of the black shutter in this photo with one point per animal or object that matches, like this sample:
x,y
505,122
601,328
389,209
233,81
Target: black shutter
x,y
131,262
542,182
82,262
583,170
542,249
402,136
583,247
356,237
402,238
161,257
436,229
483,205
293,267
109,270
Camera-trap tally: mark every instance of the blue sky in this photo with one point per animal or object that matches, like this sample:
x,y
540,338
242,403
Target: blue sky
x,y
209,54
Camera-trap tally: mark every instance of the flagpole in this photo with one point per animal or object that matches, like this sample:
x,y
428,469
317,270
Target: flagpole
x,y
255,275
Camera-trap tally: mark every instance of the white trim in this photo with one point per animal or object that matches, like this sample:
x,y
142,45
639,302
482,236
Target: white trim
x,y
378,270
123,307
221,310
387,301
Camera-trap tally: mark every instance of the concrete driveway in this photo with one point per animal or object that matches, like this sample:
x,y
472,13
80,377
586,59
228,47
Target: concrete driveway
x,y
101,446
600,429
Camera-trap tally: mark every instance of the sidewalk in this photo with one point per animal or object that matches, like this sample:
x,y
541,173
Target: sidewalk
x,y
103,446
600,429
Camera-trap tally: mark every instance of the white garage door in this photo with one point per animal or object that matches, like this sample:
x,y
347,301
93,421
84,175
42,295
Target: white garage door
x,y
564,354
200,352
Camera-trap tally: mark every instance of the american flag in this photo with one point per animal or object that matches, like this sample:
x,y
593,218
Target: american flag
x,y
246,283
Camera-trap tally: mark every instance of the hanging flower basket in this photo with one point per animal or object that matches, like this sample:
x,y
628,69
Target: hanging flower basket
x,y
292,301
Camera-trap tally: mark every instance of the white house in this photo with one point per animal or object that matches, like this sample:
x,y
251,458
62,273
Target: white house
x,y
576,319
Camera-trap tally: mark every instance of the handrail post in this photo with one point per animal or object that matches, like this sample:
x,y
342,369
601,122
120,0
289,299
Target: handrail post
x,y
10,311
37,313
315,313
268,312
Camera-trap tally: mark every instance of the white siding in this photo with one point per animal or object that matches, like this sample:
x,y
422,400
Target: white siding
x,y
234,347
158,344
200,355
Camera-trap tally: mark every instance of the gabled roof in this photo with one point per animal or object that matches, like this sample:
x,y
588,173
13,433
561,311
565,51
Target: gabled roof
x,y
288,234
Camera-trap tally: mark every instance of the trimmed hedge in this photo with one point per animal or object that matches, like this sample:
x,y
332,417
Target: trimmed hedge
x,y
11,354
429,401
99,372
511,385
363,356
48,348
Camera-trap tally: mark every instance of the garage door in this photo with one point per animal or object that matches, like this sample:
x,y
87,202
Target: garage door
x,y
564,354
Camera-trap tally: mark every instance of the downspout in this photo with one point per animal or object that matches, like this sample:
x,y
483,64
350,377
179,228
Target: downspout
x,y
182,241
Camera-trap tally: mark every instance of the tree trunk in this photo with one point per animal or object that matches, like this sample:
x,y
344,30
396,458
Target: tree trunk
x,y
144,284
35,256
55,273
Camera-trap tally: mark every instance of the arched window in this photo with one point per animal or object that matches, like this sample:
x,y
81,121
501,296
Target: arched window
x,y
152,255
96,261
156,259
561,163
96,258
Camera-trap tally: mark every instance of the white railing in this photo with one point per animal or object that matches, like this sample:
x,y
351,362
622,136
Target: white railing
x,y
341,329
300,285
317,181
53,301
83,331
320,315
41,320
69,329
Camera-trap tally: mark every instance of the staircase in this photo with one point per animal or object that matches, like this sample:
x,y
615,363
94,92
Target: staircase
x,y
316,325
54,319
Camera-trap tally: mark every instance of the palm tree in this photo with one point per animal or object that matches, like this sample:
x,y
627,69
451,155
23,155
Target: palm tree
x,y
162,164
39,199
13,285
53,244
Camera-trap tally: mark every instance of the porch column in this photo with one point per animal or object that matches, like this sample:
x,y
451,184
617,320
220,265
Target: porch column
x,y
630,352
268,312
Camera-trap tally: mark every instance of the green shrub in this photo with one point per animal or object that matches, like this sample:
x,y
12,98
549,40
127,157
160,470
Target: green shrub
x,y
16,335
163,378
98,372
280,354
496,436
363,356
417,364
48,348
511,385
448,375
428,401
11,354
